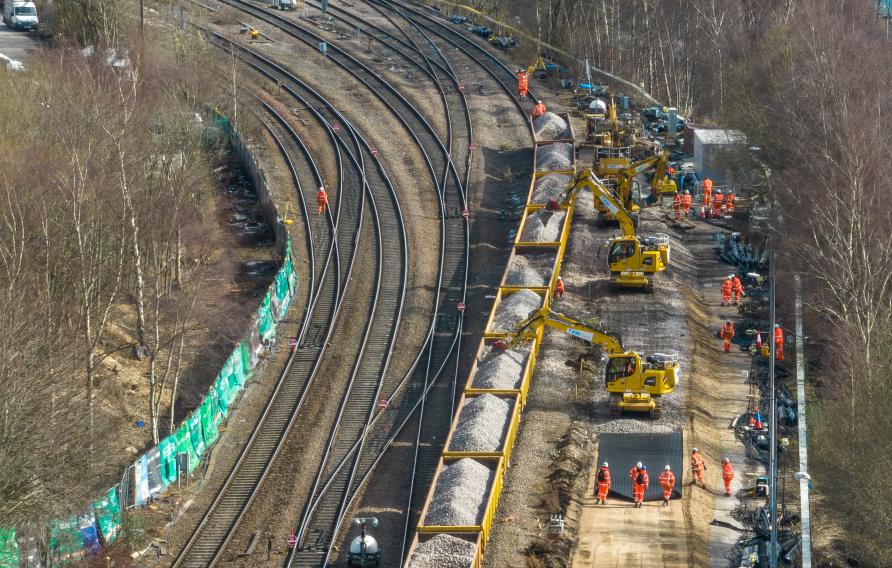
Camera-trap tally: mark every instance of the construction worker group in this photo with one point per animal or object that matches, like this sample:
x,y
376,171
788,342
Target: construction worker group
x,y
731,286
641,479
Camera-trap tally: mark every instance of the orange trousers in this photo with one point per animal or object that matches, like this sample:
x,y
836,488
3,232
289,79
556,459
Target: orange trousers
x,y
603,489
638,493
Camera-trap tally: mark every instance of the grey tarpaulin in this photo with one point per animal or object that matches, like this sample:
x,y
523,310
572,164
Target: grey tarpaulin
x,y
622,451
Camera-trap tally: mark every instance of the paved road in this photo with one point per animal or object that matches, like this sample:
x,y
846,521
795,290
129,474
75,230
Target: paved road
x,y
16,45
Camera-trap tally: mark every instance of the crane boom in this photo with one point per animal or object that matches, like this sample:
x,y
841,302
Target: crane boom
x,y
611,342
586,179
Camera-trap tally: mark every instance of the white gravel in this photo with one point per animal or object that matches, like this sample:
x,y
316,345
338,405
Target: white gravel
x,y
529,270
543,226
514,309
550,187
443,551
461,494
502,369
481,424
554,157
550,126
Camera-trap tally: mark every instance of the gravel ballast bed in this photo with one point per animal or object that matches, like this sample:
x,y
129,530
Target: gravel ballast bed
x,y
550,187
554,157
514,309
530,270
460,497
443,551
543,226
502,369
551,126
481,424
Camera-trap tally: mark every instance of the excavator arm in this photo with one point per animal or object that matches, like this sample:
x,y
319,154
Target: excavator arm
x,y
586,179
526,329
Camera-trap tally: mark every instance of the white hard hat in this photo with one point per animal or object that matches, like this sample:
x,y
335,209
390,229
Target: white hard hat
x,y
604,464
638,464
718,190
730,276
726,460
694,450
727,321
687,192
667,468
777,325
321,188
559,278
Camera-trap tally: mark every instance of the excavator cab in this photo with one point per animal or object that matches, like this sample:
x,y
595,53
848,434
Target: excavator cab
x,y
638,387
633,261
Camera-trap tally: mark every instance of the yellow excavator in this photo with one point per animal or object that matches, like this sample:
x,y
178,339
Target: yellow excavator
x,y
622,172
633,385
633,261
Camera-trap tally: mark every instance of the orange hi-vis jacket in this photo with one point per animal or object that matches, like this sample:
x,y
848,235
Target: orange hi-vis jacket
x,y
727,472
736,284
726,288
778,336
697,462
667,480
727,331
538,110
729,202
686,201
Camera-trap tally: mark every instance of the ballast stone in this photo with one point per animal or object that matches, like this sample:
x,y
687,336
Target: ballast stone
x,y
481,424
443,551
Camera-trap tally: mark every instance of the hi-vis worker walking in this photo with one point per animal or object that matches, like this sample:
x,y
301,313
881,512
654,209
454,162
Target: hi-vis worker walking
x,y
321,200
667,482
778,342
539,109
727,286
717,201
559,288
737,288
639,484
728,334
602,480
706,184
697,466
523,83
676,206
729,202
686,202
727,475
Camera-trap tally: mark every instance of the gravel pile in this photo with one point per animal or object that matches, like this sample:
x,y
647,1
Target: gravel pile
x,y
550,126
514,309
502,369
552,157
550,187
543,226
461,494
526,270
481,424
443,551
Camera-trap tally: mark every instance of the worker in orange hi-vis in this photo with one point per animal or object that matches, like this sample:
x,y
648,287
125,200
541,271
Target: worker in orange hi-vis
x,y
706,184
539,109
676,206
639,486
717,201
697,466
728,334
523,83
736,288
727,287
602,480
667,482
686,202
559,288
778,342
729,201
727,475
322,200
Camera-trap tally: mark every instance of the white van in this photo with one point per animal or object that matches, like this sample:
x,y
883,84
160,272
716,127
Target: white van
x,y
20,15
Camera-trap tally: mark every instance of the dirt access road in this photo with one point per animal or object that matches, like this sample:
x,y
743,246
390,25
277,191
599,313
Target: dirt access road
x,y
16,44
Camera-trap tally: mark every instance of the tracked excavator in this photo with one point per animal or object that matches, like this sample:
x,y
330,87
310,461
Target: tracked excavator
x,y
623,178
633,385
633,260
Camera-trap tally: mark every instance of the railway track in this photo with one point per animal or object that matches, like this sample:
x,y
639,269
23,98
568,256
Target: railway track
x,y
359,186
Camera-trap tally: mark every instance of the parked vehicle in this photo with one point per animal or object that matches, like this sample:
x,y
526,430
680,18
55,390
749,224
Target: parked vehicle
x,y
20,15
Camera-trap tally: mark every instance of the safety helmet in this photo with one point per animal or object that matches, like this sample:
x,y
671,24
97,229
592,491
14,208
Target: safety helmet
x,y
687,192
730,277
644,468
728,321
604,464
667,468
321,188
777,325
730,192
638,464
538,102
559,278
718,190
726,460
694,450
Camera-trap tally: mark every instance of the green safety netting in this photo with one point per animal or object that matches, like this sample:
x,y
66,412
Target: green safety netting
x,y
108,515
210,414
194,423
9,549
168,449
184,445
245,351
66,546
265,323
